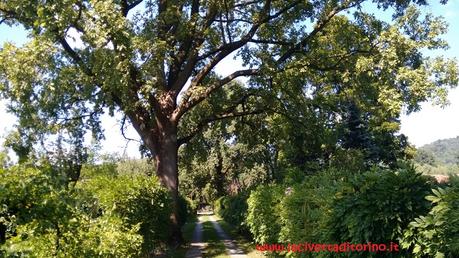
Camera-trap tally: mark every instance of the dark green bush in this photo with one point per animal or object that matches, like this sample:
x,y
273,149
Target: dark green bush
x,y
305,210
233,209
437,233
263,218
336,206
378,206
185,210
219,205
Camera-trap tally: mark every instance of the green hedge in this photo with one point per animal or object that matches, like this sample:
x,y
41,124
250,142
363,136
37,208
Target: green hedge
x,y
336,207
263,215
233,209
104,215
306,208
378,205
138,200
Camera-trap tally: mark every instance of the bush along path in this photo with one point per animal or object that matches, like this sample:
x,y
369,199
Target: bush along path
x,y
210,240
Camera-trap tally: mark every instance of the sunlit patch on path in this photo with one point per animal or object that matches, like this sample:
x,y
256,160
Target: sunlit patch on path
x,y
196,243
231,247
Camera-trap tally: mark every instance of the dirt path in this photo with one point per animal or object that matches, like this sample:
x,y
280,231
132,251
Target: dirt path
x,y
231,247
197,246
196,243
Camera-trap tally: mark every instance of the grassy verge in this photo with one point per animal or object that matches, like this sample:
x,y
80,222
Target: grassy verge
x,y
187,231
215,247
246,245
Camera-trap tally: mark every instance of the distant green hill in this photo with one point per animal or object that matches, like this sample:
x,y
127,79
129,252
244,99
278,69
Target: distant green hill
x,y
444,152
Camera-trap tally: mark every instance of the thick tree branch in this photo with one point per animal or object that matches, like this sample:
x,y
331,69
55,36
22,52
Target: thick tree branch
x,y
227,49
185,46
189,51
138,117
204,123
191,101
74,56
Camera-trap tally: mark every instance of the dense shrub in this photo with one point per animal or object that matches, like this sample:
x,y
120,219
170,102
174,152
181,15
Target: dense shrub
x,y
378,206
185,210
90,171
263,218
135,167
138,200
233,209
305,210
336,206
41,216
437,233
104,236
219,205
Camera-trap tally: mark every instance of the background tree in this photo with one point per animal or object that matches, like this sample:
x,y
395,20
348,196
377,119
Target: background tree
x,y
139,64
425,157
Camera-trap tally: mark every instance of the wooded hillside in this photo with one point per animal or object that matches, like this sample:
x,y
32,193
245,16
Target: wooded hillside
x,y
444,151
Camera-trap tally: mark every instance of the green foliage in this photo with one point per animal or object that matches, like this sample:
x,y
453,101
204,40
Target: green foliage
x,y
186,210
336,206
140,64
215,165
104,215
219,205
424,157
4,159
42,217
139,200
306,209
263,213
106,169
437,233
135,166
348,160
377,205
446,152
233,209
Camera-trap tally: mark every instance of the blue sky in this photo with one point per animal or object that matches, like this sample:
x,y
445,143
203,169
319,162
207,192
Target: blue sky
x,y
432,122
429,124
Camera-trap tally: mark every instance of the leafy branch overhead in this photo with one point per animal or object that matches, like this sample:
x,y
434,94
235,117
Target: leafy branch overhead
x,y
140,62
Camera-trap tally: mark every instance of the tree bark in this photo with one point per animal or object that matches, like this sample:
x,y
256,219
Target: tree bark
x,y
166,155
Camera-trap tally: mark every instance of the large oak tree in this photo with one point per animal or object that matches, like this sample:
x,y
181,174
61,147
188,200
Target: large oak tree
x,y
154,61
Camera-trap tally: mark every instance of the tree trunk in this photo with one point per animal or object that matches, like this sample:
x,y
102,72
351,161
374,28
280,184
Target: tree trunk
x,y
166,156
